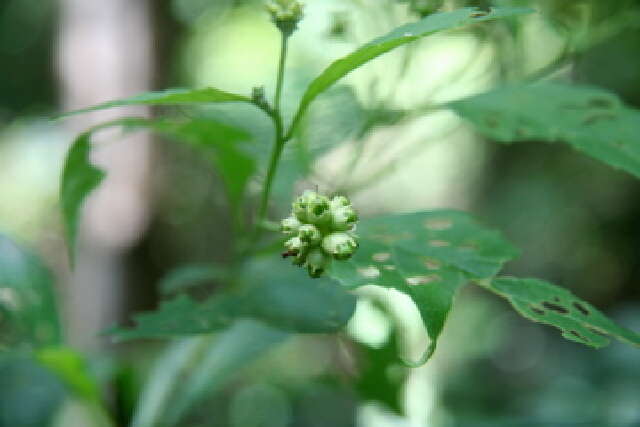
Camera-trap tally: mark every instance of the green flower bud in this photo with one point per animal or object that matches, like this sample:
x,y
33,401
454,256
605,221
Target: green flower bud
x,y
295,245
343,218
319,210
309,234
324,231
290,225
339,202
340,245
317,262
285,14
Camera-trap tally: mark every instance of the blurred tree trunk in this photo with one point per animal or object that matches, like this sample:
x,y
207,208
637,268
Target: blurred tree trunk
x,y
105,52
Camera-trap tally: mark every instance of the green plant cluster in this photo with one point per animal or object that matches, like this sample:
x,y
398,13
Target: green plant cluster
x,y
322,229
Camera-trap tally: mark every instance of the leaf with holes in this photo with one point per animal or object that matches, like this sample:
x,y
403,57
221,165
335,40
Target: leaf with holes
x,y
543,302
400,36
169,97
218,142
426,255
589,119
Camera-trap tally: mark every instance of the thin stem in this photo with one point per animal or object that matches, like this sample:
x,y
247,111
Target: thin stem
x,y
280,141
281,66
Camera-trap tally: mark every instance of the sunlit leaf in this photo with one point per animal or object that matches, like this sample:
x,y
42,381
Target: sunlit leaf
x,y
426,255
276,294
398,37
28,308
591,120
170,97
218,142
543,302
71,368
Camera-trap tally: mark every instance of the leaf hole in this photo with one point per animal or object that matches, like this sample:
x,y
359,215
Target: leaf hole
x,y
581,308
439,243
438,224
554,307
578,335
370,272
422,280
381,256
600,103
536,310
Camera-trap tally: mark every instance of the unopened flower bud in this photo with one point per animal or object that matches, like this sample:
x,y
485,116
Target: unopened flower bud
x,y
286,14
290,225
340,245
343,219
310,234
294,245
317,262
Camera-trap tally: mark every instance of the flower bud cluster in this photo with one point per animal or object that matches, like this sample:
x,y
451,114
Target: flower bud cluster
x,y
286,14
320,229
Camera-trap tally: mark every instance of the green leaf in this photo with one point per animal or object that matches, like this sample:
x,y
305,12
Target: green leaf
x,y
72,369
400,36
543,302
589,119
426,255
274,293
169,97
79,179
28,307
195,368
188,276
218,142
30,395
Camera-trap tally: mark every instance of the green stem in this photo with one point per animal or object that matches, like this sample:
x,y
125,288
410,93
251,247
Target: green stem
x,y
281,66
280,141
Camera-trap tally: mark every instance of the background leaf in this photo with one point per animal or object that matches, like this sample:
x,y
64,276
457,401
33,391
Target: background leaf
x,y
275,293
169,97
426,255
28,308
79,179
398,37
218,142
194,368
591,120
543,302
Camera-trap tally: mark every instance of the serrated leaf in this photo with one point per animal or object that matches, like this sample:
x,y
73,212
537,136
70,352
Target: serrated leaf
x,y
426,255
169,97
274,293
400,36
218,142
591,120
543,302
28,308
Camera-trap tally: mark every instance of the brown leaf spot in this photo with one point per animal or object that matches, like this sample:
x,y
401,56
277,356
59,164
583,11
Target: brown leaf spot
x,y
389,267
438,224
578,335
381,256
370,272
433,264
422,280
